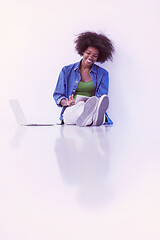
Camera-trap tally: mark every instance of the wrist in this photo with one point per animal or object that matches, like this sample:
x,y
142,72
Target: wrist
x,y
64,102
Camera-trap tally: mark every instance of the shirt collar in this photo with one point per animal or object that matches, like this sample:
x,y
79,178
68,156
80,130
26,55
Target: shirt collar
x,y
93,69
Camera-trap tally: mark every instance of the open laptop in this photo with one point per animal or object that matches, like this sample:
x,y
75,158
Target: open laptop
x,y
20,117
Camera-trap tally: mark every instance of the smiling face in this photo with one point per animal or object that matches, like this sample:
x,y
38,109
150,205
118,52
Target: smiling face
x,y
90,56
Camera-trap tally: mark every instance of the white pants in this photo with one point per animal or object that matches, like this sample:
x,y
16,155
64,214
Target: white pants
x,y
72,113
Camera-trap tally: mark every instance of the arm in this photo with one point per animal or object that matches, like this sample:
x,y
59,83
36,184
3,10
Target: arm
x,y
60,90
103,85
60,93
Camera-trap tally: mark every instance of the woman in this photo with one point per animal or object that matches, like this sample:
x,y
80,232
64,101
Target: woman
x,y
85,78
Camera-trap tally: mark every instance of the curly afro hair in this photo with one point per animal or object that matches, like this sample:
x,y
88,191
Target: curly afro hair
x,y
98,41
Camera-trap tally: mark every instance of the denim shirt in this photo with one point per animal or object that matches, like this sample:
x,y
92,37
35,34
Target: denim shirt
x,y
69,78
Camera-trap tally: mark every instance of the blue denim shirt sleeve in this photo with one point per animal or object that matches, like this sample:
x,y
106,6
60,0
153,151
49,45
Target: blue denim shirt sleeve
x,y
102,85
60,90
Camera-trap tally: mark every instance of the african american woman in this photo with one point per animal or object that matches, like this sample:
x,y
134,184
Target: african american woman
x,y
82,87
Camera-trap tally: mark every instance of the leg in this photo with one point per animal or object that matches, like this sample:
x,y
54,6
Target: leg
x,y
86,118
72,113
99,115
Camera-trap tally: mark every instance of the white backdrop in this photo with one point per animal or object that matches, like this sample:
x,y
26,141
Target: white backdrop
x,y
37,40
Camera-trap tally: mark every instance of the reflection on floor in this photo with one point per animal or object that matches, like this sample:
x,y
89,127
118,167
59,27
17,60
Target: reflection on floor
x,y
83,159
67,182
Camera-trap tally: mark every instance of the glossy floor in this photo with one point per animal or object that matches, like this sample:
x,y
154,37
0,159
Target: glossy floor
x,y
67,182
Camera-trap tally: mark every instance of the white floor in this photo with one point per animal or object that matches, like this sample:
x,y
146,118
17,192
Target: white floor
x,y
91,183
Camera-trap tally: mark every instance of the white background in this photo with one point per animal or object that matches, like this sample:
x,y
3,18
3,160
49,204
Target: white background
x,y
38,190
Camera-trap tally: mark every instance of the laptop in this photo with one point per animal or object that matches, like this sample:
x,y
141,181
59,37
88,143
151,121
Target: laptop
x,y
20,117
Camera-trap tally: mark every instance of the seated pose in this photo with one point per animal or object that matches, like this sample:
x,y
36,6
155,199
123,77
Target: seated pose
x,y
87,79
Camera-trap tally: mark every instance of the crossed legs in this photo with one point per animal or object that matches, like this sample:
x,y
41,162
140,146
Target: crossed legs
x,y
87,113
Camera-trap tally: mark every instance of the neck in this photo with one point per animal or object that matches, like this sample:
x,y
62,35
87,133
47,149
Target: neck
x,y
84,67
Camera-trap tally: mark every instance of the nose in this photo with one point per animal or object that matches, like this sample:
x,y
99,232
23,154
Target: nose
x,y
91,58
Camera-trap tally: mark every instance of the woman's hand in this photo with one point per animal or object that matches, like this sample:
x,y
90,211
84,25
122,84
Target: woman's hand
x,y
68,102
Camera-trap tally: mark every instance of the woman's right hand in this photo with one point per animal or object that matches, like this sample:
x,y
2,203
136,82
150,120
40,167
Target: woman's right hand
x,y
68,101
